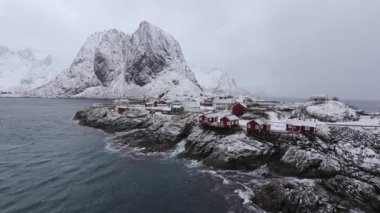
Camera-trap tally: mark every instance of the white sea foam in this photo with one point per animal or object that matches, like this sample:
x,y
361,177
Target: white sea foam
x,y
215,174
110,148
136,153
245,195
193,164
179,149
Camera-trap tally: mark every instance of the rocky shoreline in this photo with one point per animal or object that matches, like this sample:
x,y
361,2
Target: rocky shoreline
x,y
337,171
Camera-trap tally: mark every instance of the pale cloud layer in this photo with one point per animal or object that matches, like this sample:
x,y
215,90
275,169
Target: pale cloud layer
x,y
279,48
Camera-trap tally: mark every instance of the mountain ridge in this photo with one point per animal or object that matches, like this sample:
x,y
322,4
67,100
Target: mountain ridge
x,y
112,64
217,83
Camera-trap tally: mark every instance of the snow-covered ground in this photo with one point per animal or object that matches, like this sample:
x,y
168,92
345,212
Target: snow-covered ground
x,y
364,120
277,124
330,111
243,123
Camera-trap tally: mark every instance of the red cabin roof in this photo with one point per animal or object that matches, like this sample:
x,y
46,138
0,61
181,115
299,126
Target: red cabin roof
x,y
230,118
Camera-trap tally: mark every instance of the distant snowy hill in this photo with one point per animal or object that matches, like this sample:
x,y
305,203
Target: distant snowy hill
x,y
25,69
112,64
217,82
327,111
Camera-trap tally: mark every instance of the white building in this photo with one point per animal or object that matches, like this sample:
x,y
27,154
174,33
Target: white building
x,y
191,106
223,104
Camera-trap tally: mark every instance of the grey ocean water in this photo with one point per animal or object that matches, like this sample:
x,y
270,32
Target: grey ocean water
x,y
50,164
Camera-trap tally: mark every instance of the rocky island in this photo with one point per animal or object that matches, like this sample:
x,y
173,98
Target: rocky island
x,y
335,171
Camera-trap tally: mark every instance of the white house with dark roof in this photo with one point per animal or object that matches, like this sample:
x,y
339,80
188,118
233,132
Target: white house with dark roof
x,y
223,103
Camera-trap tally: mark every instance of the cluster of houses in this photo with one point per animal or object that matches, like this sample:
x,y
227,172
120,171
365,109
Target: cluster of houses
x,y
212,119
253,126
163,106
225,114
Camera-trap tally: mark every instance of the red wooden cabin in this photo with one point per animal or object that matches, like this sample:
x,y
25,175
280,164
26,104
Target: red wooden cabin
x,y
208,118
258,126
229,121
298,126
239,109
121,109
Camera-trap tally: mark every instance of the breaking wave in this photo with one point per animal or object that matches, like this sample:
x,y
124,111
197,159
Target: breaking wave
x,y
191,164
245,195
179,149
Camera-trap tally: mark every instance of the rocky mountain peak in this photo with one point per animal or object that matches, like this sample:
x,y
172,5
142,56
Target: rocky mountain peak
x,y
110,56
150,38
112,63
154,51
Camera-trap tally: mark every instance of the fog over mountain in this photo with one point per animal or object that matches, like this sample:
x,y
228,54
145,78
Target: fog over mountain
x,y
22,70
216,82
281,48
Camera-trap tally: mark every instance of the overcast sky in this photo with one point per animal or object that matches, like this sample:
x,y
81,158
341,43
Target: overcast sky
x,y
281,48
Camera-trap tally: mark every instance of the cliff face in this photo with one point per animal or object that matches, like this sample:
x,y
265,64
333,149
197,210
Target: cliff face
x,y
336,171
112,64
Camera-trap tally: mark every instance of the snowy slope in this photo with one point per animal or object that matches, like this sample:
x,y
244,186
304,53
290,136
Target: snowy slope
x,y
112,64
330,111
217,82
24,70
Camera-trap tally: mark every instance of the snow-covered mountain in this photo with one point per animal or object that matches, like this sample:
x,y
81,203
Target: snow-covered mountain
x,y
24,69
112,64
217,82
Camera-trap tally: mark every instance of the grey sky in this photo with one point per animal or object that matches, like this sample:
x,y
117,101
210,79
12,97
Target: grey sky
x,y
278,48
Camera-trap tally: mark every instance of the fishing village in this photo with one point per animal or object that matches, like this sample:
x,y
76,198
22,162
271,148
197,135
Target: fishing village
x,y
255,117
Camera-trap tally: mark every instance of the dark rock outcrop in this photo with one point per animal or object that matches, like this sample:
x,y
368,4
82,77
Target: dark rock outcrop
x,y
153,133
337,171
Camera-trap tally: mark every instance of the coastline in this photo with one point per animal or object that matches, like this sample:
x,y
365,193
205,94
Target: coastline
x,y
298,172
